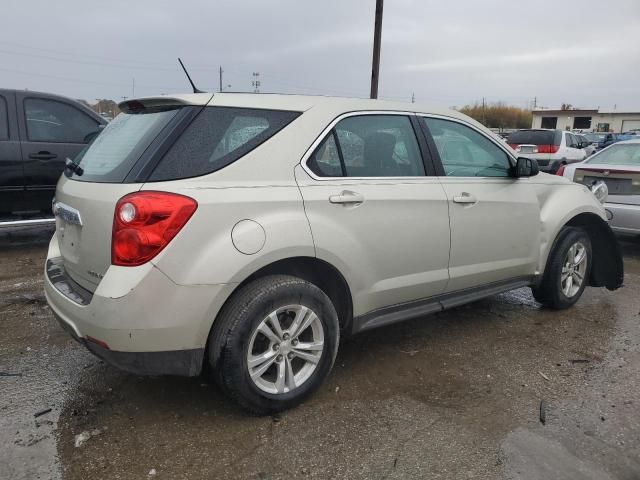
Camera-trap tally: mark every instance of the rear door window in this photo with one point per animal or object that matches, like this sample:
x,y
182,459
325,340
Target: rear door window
x,y
216,138
57,122
369,146
4,119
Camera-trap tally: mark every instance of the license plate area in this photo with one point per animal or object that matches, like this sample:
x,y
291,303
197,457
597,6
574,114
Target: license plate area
x,y
616,186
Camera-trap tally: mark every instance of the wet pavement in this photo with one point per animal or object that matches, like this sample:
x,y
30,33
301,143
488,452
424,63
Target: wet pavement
x,y
454,395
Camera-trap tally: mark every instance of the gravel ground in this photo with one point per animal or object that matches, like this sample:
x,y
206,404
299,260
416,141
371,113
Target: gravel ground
x,y
454,395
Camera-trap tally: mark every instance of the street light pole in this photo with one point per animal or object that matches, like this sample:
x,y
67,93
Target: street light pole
x,y
377,37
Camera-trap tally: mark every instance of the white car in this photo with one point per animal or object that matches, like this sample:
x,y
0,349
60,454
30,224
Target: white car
x,y
615,172
550,148
243,234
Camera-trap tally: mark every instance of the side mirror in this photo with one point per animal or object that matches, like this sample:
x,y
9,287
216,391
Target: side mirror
x,y
526,167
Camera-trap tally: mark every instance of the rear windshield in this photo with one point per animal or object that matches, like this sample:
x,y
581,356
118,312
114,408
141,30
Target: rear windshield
x,y
618,155
217,137
535,137
112,155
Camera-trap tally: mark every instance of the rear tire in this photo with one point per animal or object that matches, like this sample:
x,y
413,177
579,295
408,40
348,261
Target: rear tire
x,y
568,270
274,343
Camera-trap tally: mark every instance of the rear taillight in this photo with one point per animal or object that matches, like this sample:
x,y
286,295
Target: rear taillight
x,y
514,145
548,148
145,222
560,171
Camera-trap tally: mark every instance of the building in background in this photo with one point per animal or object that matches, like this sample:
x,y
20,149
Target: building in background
x,y
587,120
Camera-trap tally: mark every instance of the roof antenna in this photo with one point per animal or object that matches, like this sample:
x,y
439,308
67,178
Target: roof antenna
x,y
195,89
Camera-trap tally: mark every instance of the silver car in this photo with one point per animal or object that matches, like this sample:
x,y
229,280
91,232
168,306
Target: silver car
x,y
247,233
617,167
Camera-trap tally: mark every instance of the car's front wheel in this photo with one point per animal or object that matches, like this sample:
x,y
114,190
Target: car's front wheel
x,y
568,270
274,343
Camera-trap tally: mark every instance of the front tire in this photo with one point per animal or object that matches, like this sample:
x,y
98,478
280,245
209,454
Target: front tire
x,y
274,343
568,270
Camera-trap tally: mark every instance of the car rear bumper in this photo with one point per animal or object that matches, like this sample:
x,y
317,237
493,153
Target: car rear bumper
x,y
623,218
177,362
152,326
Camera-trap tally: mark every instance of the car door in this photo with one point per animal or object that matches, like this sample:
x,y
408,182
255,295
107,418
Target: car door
x,y
11,171
376,211
495,218
52,130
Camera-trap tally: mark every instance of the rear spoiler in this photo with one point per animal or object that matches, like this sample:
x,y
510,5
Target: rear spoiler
x,y
137,105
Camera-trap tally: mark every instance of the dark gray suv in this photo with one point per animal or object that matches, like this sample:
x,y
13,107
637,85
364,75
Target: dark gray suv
x,y
38,131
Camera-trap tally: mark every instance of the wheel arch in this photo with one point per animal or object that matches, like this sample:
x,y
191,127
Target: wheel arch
x,y
607,269
319,272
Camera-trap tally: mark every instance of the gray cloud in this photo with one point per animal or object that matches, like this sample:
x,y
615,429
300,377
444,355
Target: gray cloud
x,y
450,53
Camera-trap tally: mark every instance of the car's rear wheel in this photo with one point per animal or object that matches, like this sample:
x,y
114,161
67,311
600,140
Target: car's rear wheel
x,y
568,270
274,343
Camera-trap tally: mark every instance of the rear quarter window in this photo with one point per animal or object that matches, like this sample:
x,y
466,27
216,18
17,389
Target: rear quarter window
x,y
217,137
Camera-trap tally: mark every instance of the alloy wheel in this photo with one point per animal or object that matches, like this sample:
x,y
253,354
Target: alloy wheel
x,y
285,348
574,269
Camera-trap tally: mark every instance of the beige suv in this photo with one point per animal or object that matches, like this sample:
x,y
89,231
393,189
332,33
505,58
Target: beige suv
x,y
242,235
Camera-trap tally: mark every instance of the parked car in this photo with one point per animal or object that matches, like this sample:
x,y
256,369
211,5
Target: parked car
x,y
601,140
618,167
550,148
38,131
584,143
245,234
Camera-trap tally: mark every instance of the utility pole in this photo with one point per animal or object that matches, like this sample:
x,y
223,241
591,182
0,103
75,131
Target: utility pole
x,y
256,82
413,97
133,87
483,117
377,38
535,102
221,78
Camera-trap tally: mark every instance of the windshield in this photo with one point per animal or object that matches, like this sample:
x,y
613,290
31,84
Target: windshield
x,y
110,157
618,155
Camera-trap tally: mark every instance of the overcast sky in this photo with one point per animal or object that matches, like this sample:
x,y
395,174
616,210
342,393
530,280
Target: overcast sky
x,y
449,52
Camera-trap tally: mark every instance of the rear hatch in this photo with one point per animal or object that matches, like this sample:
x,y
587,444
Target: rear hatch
x,y
536,144
109,168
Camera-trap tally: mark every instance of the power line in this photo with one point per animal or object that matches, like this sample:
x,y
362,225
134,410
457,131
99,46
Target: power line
x,y
76,80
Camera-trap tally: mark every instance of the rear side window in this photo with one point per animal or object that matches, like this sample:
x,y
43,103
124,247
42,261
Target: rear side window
x,y
534,137
57,122
217,137
369,146
113,153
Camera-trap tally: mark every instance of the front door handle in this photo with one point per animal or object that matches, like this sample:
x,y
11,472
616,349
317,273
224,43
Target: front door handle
x,y
465,197
347,197
43,156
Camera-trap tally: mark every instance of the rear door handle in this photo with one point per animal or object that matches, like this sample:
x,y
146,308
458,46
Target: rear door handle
x,y
43,156
346,198
465,197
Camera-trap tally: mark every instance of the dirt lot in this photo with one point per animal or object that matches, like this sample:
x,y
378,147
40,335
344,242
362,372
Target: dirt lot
x,y
455,395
